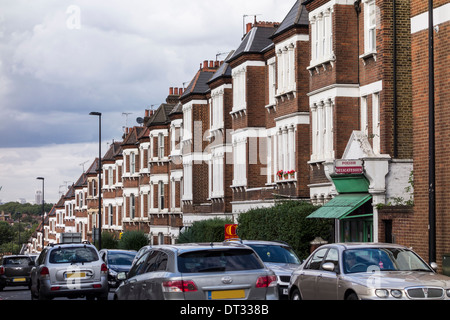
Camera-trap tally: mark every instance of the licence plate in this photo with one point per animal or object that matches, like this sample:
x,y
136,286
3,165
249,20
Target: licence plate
x,y
19,280
226,294
75,275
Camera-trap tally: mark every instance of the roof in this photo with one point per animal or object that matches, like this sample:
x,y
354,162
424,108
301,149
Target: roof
x,y
297,16
257,40
115,149
224,70
161,115
199,85
133,136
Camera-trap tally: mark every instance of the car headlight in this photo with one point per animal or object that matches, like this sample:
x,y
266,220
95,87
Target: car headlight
x,y
396,293
382,293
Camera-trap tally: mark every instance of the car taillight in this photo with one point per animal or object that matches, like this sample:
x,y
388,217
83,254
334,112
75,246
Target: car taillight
x,y
179,286
266,281
2,270
104,269
44,272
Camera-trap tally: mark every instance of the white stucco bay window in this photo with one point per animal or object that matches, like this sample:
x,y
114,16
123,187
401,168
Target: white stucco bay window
x,y
322,130
321,24
286,67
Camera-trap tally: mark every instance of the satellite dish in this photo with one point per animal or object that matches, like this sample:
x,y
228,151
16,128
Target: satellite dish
x,y
140,120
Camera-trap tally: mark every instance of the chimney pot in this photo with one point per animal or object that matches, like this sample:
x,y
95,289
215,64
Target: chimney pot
x,y
249,27
176,91
205,64
171,90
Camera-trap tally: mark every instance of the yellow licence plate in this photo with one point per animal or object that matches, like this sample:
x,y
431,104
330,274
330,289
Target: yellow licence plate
x,y
75,275
226,294
19,280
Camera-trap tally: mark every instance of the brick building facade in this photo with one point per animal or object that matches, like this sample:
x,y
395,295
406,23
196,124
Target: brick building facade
x,y
335,82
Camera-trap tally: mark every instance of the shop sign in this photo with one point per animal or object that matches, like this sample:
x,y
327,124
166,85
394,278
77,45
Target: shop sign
x,y
348,166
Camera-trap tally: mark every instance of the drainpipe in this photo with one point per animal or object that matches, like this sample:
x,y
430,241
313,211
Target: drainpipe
x,y
431,137
394,13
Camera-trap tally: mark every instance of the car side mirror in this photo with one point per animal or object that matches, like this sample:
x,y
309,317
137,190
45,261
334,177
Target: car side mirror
x,y
434,266
328,266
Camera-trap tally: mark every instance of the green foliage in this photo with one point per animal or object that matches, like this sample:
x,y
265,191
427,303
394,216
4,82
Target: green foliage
x,y
109,241
211,230
16,208
286,221
132,240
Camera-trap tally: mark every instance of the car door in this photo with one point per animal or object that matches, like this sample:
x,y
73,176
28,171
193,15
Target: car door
x,y
327,281
308,276
155,273
129,290
34,274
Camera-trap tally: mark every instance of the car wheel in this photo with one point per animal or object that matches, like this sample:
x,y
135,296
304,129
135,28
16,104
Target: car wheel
x,y
352,296
295,295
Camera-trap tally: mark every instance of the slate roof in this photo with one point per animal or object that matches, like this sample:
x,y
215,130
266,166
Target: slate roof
x,y
115,149
199,85
133,137
161,115
257,40
224,70
297,16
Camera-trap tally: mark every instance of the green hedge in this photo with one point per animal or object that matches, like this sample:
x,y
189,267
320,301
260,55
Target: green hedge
x,y
286,221
210,230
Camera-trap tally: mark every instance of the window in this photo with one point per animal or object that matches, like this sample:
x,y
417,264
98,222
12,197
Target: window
x,y
240,163
110,214
376,131
239,89
322,36
217,109
187,181
187,122
272,82
160,195
370,24
132,206
161,145
132,163
316,260
286,68
322,130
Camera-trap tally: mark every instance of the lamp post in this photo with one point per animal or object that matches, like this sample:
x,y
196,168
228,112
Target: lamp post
x,y
99,177
43,210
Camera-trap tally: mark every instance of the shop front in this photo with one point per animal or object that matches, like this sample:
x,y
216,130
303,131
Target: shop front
x,y
351,209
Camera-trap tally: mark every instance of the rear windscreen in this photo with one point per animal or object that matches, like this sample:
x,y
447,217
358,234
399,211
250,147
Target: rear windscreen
x,y
218,260
73,255
16,260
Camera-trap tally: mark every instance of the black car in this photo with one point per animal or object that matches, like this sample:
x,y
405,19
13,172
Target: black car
x,y
117,261
15,271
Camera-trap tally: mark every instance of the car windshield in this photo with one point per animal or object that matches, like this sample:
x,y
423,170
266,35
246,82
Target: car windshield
x,y
218,260
120,258
73,255
382,259
275,254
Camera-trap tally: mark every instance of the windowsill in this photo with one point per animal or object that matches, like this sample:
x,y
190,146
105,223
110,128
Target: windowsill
x,y
368,55
315,65
286,95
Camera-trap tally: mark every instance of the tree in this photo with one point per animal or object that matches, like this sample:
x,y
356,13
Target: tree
x,y
133,240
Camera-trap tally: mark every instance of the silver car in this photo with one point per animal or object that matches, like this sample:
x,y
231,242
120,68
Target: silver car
x,y
199,272
69,270
280,258
367,271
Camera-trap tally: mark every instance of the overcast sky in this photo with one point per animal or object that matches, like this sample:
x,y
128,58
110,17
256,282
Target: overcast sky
x,y
60,60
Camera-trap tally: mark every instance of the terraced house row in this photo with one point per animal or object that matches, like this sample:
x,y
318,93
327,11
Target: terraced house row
x,y
325,106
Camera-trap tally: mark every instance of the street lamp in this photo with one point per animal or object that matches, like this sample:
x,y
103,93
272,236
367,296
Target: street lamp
x,y
43,209
99,177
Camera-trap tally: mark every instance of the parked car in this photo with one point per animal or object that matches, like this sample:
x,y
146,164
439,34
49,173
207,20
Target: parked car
x,y
69,270
367,271
117,261
280,258
198,272
15,271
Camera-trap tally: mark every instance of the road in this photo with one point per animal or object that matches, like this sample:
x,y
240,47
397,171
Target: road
x,y
23,293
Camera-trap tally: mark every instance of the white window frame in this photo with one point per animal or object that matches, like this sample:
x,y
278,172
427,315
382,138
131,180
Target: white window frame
x,y
321,21
370,26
